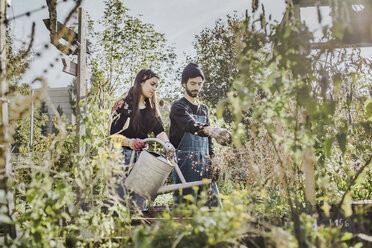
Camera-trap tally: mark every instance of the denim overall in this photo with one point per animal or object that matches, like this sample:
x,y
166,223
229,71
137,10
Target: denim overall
x,y
193,158
135,200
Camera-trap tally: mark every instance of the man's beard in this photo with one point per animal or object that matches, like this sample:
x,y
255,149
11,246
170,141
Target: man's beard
x,y
194,95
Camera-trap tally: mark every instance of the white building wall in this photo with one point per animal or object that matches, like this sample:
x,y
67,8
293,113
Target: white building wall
x,y
59,97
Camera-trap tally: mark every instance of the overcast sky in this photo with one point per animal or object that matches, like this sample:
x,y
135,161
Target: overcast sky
x,y
180,20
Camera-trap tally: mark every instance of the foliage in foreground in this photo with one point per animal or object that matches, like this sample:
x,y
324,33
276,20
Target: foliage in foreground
x,y
297,115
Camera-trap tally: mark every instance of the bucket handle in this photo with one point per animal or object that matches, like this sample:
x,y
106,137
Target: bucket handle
x,y
178,171
183,183
146,141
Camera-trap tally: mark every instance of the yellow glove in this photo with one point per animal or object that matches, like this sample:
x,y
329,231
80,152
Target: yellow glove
x,y
117,138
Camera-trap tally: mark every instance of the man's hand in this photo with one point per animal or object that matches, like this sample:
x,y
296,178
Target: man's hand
x,y
222,136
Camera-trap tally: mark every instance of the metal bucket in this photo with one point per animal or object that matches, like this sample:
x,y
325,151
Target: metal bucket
x,y
148,174
151,171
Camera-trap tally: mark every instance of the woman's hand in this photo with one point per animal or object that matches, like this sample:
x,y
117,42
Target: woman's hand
x,y
170,151
137,144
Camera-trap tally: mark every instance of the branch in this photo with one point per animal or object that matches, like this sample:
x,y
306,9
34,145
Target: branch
x,y
52,9
351,184
78,3
16,62
26,53
295,216
37,98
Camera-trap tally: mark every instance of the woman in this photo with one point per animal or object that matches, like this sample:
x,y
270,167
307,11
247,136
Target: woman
x,y
135,117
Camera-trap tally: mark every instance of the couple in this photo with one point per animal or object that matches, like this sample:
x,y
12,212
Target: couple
x,y
136,116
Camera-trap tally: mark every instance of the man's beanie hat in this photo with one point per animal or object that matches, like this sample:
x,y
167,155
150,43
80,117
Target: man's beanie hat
x,y
191,71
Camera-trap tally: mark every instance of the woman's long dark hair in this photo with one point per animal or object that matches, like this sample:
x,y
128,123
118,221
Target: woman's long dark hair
x,y
151,103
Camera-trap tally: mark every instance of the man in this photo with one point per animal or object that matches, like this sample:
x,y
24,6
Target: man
x,y
191,134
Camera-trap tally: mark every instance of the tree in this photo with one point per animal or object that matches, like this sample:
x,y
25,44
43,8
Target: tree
x,y
126,45
313,111
216,52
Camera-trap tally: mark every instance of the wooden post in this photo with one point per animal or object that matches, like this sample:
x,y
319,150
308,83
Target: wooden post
x,y
81,76
7,180
308,160
79,70
310,194
297,12
308,155
32,123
